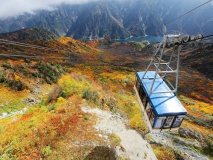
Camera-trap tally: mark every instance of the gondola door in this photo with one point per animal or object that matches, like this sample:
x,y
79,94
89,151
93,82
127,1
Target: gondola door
x,y
168,122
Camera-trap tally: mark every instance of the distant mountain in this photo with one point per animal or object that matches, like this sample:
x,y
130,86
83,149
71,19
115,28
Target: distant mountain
x,y
118,19
29,34
143,19
57,21
99,20
197,21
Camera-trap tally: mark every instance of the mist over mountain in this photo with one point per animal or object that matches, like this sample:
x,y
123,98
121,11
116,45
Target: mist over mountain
x,y
118,19
197,21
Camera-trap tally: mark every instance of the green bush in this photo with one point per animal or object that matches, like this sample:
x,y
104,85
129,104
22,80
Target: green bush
x,y
114,139
6,65
92,96
69,86
15,85
87,117
46,151
112,103
50,72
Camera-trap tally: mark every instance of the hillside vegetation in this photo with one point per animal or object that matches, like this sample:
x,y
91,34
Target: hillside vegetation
x,y
41,99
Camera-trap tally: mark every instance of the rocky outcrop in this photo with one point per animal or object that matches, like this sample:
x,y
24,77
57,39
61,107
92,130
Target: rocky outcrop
x,y
185,143
190,133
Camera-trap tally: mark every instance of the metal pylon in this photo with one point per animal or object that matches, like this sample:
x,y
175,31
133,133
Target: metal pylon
x,y
162,63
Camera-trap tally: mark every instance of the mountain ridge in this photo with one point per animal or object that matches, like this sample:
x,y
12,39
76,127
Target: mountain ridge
x,y
118,19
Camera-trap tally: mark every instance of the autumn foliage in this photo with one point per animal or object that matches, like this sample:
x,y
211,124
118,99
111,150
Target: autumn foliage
x,y
94,74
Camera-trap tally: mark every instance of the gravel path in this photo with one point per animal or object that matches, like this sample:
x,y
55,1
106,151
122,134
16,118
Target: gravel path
x,y
135,147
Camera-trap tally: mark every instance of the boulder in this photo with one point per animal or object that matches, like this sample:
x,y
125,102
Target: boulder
x,y
190,133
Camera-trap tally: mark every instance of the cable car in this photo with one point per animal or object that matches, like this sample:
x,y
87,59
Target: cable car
x,y
162,111
155,92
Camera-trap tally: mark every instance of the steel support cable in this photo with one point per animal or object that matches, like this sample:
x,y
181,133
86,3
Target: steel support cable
x,y
202,38
27,56
14,42
207,39
188,12
207,36
25,45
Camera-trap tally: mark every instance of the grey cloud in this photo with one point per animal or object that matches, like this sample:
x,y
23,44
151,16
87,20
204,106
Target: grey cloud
x,y
13,8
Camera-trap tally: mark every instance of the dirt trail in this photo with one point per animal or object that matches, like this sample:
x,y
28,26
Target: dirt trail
x,y
135,147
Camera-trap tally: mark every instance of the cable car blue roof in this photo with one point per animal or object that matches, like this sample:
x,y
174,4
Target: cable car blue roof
x,y
163,103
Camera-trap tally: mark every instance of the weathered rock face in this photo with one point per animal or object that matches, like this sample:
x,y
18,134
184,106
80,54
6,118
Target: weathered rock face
x,y
190,133
102,19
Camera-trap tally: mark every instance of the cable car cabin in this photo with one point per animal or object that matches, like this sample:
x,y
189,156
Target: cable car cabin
x,y
163,111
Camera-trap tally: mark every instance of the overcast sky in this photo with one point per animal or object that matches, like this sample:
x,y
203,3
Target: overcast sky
x,y
11,8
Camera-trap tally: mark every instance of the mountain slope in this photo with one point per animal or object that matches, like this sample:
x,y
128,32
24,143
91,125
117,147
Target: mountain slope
x,y
30,34
200,59
45,117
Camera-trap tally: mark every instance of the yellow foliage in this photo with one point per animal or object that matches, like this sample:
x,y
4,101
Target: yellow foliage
x,y
72,86
61,100
206,108
17,77
163,153
137,123
7,95
115,140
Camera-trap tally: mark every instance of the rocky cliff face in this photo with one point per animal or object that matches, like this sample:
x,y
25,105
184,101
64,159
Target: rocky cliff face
x,y
118,19
57,21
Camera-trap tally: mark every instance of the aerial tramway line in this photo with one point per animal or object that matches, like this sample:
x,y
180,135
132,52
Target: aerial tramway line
x,y
155,92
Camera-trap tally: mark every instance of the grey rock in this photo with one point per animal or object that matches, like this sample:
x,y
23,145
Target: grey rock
x,y
190,133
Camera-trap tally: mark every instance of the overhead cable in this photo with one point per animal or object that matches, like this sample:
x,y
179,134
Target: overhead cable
x,y
188,12
27,56
4,41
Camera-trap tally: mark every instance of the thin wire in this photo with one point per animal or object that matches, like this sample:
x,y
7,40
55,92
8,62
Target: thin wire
x,y
26,56
207,36
207,39
4,41
202,38
188,12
